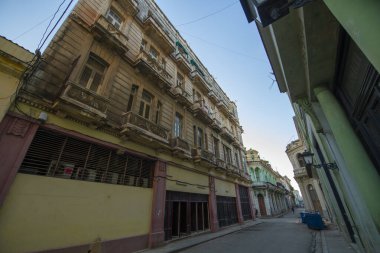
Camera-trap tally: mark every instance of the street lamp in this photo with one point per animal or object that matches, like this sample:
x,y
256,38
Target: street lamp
x,y
308,158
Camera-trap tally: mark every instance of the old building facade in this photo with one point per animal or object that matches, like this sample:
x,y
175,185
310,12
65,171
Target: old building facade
x,y
325,57
272,195
124,140
311,191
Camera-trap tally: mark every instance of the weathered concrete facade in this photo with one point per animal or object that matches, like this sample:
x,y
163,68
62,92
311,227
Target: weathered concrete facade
x,y
121,139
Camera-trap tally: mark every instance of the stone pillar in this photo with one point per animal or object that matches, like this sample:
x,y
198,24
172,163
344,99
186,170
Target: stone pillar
x,y
251,203
157,233
16,135
238,205
357,161
214,224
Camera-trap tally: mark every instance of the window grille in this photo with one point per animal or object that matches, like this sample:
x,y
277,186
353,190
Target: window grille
x,y
56,155
227,212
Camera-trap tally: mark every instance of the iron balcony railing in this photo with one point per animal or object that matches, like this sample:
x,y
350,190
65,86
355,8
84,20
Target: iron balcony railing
x,y
135,122
86,99
178,143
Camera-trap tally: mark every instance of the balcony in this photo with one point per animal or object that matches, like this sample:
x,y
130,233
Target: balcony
x,y
232,117
216,125
182,62
201,111
153,69
300,172
181,96
223,107
203,157
199,80
92,106
236,143
227,134
155,31
105,32
144,131
213,96
180,148
220,165
129,6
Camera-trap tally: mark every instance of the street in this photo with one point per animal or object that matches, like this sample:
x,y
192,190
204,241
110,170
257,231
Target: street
x,y
284,234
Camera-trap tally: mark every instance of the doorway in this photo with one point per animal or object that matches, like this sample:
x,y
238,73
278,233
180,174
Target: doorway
x,y
263,210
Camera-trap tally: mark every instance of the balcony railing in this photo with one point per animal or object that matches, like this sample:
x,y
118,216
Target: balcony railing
x,y
91,103
129,6
105,31
181,96
201,111
150,66
216,125
200,80
227,134
202,155
133,123
213,96
156,32
236,143
180,147
222,105
220,164
182,62
300,172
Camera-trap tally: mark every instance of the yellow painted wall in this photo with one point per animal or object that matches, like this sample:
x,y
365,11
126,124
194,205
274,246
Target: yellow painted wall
x,y
182,175
224,188
8,86
44,213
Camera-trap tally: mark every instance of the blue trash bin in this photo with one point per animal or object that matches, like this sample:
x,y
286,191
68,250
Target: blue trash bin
x,y
314,221
303,215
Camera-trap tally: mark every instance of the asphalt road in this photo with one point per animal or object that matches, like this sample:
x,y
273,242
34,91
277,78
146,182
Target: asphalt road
x,y
278,235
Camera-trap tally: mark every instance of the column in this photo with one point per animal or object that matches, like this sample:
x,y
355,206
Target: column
x,y
157,233
357,162
214,224
16,135
238,205
251,203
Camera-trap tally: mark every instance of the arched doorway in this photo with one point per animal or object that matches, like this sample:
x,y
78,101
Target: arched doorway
x,y
314,198
263,210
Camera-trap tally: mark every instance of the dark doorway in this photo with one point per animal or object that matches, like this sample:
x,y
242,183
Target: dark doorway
x,y
263,210
227,210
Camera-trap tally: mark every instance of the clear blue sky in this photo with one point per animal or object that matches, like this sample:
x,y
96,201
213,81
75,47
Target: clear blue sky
x,y
228,46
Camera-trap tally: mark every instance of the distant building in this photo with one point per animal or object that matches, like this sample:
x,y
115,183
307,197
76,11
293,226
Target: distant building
x,y
298,198
121,138
271,190
313,197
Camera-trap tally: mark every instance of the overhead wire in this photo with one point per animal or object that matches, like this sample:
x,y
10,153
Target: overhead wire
x,y
208,15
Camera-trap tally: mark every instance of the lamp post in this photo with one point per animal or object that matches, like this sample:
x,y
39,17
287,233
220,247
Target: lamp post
x,y
308,158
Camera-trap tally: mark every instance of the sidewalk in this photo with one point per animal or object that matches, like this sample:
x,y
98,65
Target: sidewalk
x,y
331,240
187,242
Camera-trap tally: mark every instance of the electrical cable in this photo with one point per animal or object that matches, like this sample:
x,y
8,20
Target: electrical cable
x,y
51,20
32,28
211,14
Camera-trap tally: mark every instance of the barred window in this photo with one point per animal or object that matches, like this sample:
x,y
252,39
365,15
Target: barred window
x,y
244,202
56,155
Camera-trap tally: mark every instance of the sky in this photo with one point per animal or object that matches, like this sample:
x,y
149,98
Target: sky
x,y
229,47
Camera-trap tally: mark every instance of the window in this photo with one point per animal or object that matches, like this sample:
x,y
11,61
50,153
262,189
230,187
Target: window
x,y
131,97
227,154
56,155
145,104
237,160
206,141
153,53
93,73
178,123
216,148
300,160
143,45
114,18
180,80
198,137
158,112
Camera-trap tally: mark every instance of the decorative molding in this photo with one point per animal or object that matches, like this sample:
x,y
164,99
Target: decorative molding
x,y
308,108
19,127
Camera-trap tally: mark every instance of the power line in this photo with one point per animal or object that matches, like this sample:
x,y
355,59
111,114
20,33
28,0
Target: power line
x,y
225,48
32,28
51,20
211,14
